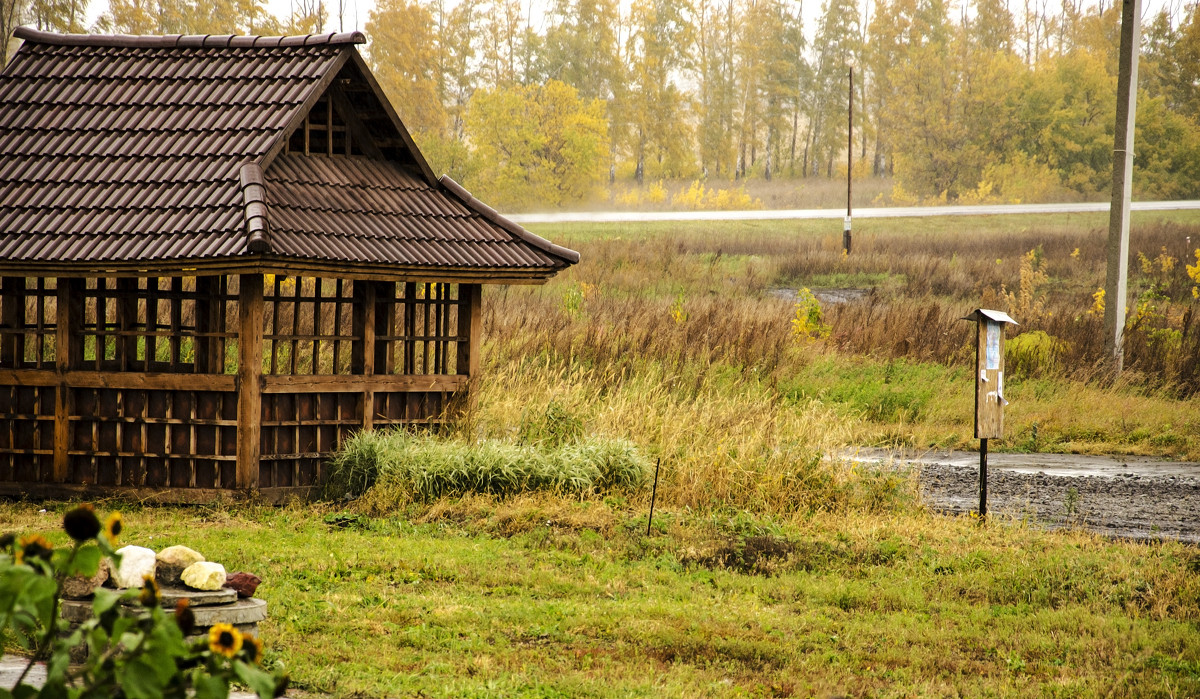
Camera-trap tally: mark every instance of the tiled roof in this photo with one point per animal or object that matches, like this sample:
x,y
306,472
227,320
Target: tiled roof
x,y
154,150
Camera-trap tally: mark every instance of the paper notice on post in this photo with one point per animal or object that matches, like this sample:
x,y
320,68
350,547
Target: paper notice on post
x,y
992,360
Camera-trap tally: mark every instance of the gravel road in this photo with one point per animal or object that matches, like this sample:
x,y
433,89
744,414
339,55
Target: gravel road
x,y
1131,497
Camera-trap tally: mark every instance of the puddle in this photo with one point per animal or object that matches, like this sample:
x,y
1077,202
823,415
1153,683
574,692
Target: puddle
x,y
825,296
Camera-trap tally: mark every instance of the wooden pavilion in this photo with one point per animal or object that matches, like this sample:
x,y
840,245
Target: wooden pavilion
x,y
219,256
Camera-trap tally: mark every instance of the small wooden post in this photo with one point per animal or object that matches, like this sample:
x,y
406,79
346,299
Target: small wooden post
x,y
989,386
250,347
208,359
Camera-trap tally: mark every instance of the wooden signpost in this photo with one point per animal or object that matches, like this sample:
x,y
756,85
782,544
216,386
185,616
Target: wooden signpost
x,y
989,386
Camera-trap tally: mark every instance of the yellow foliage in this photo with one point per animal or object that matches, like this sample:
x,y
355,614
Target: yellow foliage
x,y
656,193
1097,308
1193,272
1028,301
808,323
696,197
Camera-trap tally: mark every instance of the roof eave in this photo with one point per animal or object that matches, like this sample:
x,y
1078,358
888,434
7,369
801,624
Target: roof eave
x,y
279,264
568,256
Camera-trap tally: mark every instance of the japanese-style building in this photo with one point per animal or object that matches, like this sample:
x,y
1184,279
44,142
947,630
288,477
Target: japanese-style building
x,y
219,257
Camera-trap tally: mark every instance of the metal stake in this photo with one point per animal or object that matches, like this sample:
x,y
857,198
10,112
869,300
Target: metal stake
x,y
983,478
653,495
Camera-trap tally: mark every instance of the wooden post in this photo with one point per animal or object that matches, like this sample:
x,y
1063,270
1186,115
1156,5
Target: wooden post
x,y
1118,215
68,354
250,347
470,325
12,318
362,348
849,161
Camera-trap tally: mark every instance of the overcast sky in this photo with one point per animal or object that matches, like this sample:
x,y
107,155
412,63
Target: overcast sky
x,y
357,12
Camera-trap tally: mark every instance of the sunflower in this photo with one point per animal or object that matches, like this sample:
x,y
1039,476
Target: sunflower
x,y
224,640
112,528
253,648
150,596
33,546
81,523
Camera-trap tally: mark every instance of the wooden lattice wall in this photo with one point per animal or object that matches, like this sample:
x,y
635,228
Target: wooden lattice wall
x,y
181,388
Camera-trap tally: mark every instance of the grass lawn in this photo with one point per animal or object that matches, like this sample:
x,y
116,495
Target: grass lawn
x,y
550,597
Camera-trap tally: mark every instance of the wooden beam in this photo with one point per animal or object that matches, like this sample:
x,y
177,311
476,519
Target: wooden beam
x,y
379,383
250,348
470,325
119,380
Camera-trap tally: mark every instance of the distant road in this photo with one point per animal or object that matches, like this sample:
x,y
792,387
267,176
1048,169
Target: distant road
x,y
865,212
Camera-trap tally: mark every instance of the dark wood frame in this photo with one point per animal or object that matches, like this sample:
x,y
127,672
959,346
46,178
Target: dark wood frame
x,y
158,388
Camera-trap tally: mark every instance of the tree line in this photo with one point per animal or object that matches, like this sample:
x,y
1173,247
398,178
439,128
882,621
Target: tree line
x,y
547,106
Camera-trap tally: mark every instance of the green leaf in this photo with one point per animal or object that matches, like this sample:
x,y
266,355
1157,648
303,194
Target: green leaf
x,y
256,679
209,687
86,563
104,600
140,679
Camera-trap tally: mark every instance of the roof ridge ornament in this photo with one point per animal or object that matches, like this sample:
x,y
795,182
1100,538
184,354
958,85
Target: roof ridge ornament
x,y
258,225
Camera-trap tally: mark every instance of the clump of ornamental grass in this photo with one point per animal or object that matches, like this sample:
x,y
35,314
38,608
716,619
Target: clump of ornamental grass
x,y
425,467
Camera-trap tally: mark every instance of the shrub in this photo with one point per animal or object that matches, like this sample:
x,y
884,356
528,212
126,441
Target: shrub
x,y
426,467
1034,353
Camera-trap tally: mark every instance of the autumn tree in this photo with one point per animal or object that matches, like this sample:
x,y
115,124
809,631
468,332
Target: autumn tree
x,y
403,57
537,145
658,128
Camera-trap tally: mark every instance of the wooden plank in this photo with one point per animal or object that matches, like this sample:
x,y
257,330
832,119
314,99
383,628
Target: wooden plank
x,y
379,383
72,491
250,345
118,380
470,325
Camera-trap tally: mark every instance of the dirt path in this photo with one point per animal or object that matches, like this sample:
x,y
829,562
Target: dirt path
x,y
1133,497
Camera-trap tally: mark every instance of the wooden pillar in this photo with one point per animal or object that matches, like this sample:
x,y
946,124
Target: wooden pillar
x,y
208,359
12,319
250,347
362,360
470,326
68,355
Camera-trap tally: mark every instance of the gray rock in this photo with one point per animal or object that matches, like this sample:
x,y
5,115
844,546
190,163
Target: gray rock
x,y
81,587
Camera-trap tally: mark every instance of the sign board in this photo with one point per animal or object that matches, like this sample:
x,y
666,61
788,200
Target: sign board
x,y
989,372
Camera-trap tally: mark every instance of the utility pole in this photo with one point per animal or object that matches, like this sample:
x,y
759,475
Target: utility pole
x,y
1118,216
849,160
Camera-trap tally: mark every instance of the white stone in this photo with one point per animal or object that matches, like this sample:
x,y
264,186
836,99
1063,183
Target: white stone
x,y
137,562
180,556
204,575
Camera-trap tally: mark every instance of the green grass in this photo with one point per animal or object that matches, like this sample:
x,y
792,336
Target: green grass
x,y
405,466
545,597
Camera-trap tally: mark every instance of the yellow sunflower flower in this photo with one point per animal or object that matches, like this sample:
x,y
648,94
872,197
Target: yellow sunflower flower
x,y
224,640
33,546
253,648
112,528
149,596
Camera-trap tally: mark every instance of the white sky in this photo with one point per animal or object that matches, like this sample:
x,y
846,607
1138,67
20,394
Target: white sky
x,y
357,12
